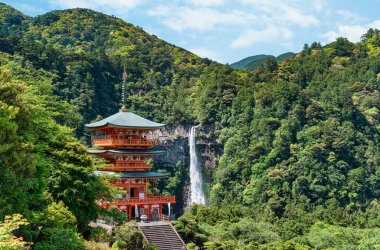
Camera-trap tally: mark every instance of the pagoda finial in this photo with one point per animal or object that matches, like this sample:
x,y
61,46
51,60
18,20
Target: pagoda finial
x,y
123,87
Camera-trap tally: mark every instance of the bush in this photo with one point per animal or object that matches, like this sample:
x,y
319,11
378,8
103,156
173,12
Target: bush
x,y
151,246
114,216
56,215
129,236
322,236
92,245
45,246
99,234
64,239
7,228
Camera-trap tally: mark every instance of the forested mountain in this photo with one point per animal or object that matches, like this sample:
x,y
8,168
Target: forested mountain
x,y
298,140
252,62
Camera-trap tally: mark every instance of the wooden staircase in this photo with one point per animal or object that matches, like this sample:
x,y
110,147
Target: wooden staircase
x,y
163,235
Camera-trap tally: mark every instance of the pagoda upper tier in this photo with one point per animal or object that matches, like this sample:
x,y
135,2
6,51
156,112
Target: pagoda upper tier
x,y
123,130
125,120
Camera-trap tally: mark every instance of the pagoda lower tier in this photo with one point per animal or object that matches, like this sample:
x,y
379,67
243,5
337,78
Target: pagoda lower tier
x,y
134,195
150,206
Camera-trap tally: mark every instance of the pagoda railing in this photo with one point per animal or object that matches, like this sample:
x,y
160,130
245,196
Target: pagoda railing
x,y
123,142
127,167
126,181
128,164
146,200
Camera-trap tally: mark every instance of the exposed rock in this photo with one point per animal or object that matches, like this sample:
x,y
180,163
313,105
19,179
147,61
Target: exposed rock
x,y
174,140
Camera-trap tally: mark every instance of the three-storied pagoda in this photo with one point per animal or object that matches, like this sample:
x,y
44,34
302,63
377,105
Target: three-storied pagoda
x,y
126,142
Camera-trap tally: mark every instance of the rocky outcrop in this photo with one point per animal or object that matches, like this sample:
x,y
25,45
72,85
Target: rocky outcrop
x,y
174,140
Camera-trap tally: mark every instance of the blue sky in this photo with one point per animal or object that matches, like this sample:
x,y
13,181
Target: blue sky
x,y
227,31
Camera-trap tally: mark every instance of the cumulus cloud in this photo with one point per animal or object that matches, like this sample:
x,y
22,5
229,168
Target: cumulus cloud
x,y
251,37
200,19
118,5
204,52
350,17
207,2
319,5
351,32
30,9
283,12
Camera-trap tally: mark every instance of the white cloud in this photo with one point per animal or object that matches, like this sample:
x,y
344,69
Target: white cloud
x,y
346,14
282,12
30,9
118,5
350,16
268,34
319,5
203,52
207,2
351,32
200,19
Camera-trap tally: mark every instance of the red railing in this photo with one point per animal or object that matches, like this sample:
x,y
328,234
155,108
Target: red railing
x,y
127,167
126,181
136,200
131,165
124,142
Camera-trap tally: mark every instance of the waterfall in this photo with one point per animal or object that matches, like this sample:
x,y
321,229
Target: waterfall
x,y
196,182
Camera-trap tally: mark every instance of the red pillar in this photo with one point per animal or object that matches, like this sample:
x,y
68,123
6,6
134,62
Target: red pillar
x,y
130,212
149,209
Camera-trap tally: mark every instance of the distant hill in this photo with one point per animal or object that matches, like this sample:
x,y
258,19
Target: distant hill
x,y
251,62
242,63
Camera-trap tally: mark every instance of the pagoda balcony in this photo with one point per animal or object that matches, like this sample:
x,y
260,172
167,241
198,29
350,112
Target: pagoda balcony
x,y
120,167
152,199
106,142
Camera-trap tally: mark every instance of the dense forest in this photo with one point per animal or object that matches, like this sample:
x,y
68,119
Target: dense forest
x,y
298,140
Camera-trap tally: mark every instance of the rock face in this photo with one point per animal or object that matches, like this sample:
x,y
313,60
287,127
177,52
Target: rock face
x,y
174,140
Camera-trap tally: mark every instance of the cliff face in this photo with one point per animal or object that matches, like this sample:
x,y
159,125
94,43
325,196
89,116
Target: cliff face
x,y
175,141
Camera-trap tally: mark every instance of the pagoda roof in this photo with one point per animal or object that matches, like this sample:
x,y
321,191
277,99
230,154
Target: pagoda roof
x,y
137,174
125,120
126,152
145,174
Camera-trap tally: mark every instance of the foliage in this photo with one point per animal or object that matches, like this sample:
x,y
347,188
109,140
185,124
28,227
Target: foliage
x,y
114,217
129,236
189,230
151,247
91,245
62,239
34,151
98,234
7,228
56,215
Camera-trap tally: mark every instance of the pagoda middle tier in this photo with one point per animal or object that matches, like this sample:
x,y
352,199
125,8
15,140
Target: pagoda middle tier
x,y
121,160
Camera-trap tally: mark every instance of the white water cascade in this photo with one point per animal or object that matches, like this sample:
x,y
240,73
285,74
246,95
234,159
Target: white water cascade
x,y
196,182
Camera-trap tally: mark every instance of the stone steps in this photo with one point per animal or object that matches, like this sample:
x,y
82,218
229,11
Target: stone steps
x,y
163,236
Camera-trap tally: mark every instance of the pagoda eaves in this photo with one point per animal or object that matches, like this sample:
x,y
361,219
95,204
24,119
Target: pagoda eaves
x,y
125,120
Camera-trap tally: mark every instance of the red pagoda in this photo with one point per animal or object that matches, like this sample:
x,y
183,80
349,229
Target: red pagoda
x,y
127,143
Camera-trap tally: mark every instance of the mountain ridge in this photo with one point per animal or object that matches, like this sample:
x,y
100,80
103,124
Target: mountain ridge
x,y
251,62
